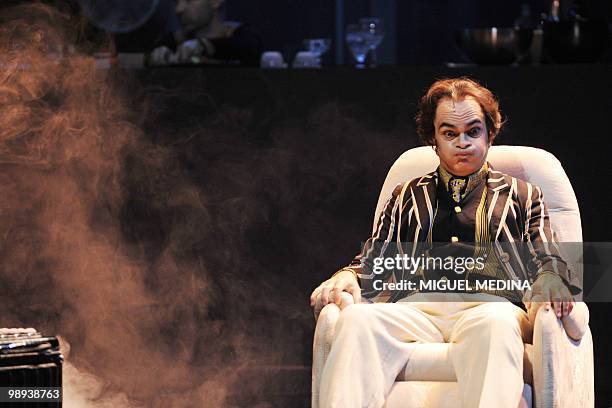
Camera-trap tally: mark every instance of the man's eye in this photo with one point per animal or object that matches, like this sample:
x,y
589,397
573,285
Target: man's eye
x,y
474,131
449,134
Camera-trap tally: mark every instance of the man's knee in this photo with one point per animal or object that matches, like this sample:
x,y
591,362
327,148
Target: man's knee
x,y
500,320
356,318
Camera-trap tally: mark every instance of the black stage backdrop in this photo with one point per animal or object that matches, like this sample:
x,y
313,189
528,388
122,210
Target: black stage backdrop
x,y
239,191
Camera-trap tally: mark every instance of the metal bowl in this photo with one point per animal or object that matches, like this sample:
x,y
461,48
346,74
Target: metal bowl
x,y
494,46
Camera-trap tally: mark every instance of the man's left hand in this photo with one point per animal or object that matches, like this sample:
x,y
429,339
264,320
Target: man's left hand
x,y
191,51
549,291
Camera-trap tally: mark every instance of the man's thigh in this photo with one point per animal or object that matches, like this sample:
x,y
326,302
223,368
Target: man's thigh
x,y
397,321
503,317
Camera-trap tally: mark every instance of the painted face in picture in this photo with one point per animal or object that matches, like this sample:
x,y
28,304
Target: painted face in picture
x,y
461,135
196,14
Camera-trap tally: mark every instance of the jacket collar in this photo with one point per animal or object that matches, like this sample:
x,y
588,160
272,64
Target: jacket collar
x,y
471,182
496,180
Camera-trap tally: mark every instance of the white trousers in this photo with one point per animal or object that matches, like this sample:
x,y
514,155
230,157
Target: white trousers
x,y
372,344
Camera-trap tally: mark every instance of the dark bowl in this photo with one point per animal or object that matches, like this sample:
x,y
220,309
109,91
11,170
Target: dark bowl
x,y
494,46
574,41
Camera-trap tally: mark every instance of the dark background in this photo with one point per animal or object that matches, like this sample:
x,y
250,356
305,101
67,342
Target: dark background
x,y
308,151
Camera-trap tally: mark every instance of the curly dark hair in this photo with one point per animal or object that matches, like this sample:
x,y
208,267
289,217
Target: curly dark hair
x,y
457,89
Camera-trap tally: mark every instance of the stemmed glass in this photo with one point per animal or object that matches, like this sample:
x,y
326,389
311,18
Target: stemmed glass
x,y
317,46
357,43
374,32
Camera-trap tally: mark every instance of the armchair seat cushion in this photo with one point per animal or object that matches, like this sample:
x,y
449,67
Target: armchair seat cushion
x,y
431,362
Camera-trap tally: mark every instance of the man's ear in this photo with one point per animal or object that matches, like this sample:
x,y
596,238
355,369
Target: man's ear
x,y
491,139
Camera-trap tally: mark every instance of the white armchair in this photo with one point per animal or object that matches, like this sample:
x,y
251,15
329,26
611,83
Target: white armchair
x,y
558,363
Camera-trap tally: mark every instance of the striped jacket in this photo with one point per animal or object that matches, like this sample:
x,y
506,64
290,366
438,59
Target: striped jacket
x,y
517,218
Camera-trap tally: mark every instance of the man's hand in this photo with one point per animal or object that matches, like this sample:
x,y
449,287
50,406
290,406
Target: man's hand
x,y
161,56
191,51
547,290
330,289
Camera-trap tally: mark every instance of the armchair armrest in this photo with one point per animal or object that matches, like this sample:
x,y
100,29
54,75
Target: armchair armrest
x,y
562,366
577,323
326,317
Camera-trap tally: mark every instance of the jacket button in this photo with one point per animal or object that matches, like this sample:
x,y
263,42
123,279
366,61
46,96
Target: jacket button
x,y
504,257
457,209
454,239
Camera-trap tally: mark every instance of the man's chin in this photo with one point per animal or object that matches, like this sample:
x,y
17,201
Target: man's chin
x,y
463,170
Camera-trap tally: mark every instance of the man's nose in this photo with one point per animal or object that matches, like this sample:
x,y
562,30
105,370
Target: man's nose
x,y
463,141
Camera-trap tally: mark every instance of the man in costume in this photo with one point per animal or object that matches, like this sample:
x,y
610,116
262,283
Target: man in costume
x,y
464,207
206,37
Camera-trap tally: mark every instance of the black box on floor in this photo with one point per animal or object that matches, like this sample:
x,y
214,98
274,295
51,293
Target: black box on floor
x,y
29,360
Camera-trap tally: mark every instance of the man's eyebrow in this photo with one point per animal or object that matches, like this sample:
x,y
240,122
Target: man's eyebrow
x,y
473,122
447,125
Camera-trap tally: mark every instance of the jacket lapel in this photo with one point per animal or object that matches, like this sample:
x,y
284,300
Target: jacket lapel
x,y
424,205
499,201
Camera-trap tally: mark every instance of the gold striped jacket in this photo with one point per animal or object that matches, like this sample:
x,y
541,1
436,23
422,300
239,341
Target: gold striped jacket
x,y
517,217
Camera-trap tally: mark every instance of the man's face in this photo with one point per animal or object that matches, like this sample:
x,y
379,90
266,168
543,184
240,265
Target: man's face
x,y
461,135
195,14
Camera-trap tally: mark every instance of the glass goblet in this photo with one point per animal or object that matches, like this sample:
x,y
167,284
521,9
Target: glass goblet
x,y
374,31
356,42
